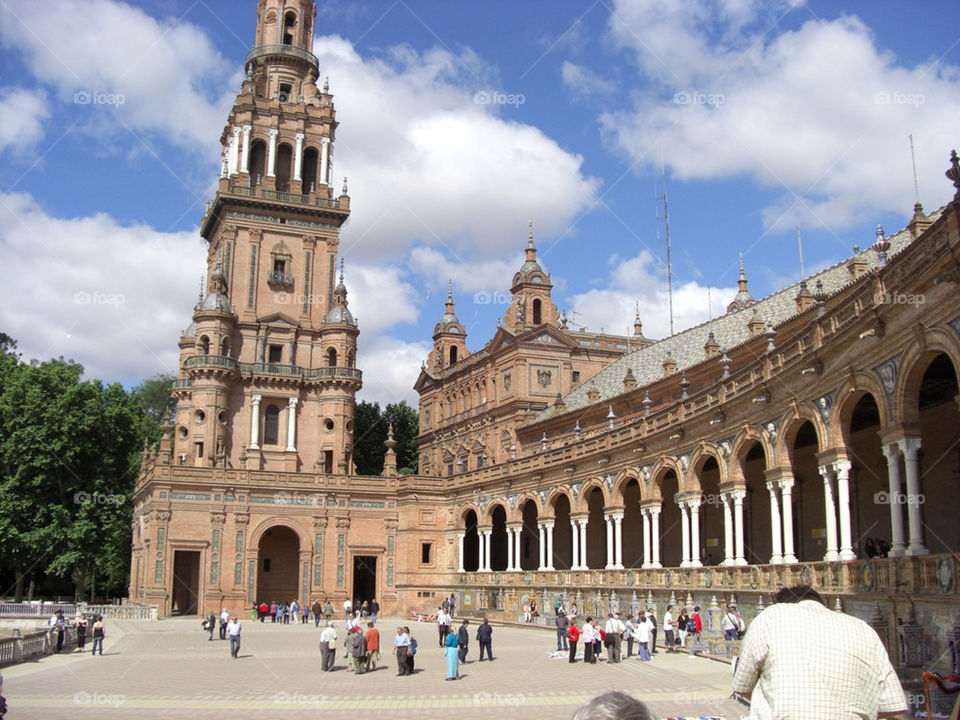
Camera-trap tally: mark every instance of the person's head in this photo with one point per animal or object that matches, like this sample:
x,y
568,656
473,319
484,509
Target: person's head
x,y
406,630
613,705
233,619
370,624
669,607
485,622
329,623
797,593
731,608
589,620
466,622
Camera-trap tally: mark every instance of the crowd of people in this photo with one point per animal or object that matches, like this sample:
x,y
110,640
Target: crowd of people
x,y
82,624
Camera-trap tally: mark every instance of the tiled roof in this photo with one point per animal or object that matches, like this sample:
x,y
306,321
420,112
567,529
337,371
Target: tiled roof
x,y
729,330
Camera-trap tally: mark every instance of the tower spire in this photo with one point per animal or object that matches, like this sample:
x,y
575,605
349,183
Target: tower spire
x,y
743,297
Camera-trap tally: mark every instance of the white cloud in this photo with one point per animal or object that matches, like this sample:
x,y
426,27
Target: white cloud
x,y
635,281
112,297
486,275
583,82
163,70
380,298
390,368
22,114
820,113
426,163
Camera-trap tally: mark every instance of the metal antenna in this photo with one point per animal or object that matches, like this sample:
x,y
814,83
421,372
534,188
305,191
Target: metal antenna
x,y
666,226
913,159
800,247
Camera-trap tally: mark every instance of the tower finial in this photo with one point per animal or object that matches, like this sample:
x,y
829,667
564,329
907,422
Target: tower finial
x,y
341,271
530,233
450,290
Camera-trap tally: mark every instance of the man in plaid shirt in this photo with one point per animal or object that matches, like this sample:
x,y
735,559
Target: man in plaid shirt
x,y
786,669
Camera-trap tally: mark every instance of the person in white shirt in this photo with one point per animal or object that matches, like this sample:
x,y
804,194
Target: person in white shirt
x,y
642,629
328,647
347,610
443,624
224,621
668,629
588,636
730,624
233,631
614,631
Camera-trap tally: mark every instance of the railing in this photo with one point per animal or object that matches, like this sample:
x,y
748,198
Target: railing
x,y
344,373
181,383
295,371
20,648
122,612
218,361
281,196
286,50
29,609
70,610
278,277
271,369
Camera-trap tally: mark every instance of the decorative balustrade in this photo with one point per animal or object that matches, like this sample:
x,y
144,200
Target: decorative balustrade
x,y
284,51
211,361
259,191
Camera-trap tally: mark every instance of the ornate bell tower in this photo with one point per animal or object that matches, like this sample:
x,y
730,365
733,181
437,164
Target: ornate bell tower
x,y
267,368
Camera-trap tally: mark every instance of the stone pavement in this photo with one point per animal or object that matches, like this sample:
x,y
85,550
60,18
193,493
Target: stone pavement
x,y
169,669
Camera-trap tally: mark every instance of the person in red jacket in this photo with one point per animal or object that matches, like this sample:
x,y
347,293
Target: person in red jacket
x,y
694,628
573,635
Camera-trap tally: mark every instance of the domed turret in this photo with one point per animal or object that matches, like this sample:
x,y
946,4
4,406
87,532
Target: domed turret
x,y
531,287
743,299
339,312
449,337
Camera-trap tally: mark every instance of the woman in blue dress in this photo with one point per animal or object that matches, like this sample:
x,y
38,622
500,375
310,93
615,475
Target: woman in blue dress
x,y
451,648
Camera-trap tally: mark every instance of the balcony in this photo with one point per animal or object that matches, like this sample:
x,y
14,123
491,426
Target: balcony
x,y
280,279
272,369
212,361
283,51
338,373
284,196
181,384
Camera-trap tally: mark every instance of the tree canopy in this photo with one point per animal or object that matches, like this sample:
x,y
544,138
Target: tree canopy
x,y
370,437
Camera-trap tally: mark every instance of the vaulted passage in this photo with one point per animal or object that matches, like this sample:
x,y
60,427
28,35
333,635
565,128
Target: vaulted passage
x,y
278,557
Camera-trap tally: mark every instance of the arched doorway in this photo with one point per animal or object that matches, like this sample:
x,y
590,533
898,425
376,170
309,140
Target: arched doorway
x,y
530,538
632,533
562,534
498,539
596,531
257,165
757,540
671,523
710,517
284,165
471,542
869,519
278,562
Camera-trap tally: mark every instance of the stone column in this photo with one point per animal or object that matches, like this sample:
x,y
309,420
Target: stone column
x,y
292,424
684,534
583,543
842,470
255,422
234,151
460,538
543,550
608,521
694,506
655,534
509,549
549,533
727,530
646,537
298,157
245,160
518,549
777,553
272,153
618,541
892,453
738,497
324,161
786,495
910,447
486,549
574,533
481,566
831,514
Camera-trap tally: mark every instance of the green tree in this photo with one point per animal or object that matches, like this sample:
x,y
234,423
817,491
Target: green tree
x,y
406,427
370,436
153,394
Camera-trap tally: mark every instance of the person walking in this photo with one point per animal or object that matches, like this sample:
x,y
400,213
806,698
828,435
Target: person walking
x,y
401,643
463,641
373,646
224,619
295,612
327,609
788,671
411,651
453,604
563,624
317,610
328,647
99,633
81,631
668,630
263,610
233,632
443,624
642,629
347,609
306,612
374,610
683,626
588,635
211,623
730,624
485,638
450,650
573,635
357,643
694,629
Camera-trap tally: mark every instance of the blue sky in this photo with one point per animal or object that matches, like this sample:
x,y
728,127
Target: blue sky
x,y
459,121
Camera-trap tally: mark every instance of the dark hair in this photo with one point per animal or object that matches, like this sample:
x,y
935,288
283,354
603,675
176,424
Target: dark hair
x,y
797,593
613,705
696,608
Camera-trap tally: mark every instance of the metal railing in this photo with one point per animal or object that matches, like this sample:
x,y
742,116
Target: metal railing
x,y
279,277
284,50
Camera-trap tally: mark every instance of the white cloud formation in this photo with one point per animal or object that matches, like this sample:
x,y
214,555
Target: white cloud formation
x,y
169,75
427,163
390,368
635,282
487,275
820,113
583,82
22,114
380,298
112,297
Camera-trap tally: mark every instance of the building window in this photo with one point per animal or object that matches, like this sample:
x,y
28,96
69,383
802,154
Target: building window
x,y
198,450
576,376
271,425
332,357
537,305
453,354
425,552
275,354
328,461
289,26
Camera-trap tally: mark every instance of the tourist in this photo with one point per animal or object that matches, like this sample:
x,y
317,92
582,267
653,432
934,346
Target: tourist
x,y
411,650
588,635
453,604
668,630
573,635
285,611
450,650
653,631
317,610
730,624
357,645
374,610
795,674
526,612
563,624
99,633
401,643
306,613
629,631
443,624
58,628
327,609
295,611
485,638
210,623
328,647
682,626
233,632
81,631
263,611
612,636
373,646
463,641
598,639
445,605
613,705
694,630
642,633
347,609
224,619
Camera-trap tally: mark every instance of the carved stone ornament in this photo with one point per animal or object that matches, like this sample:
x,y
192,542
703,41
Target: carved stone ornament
x,y
241,518
218,518
162,516
343,523
319,523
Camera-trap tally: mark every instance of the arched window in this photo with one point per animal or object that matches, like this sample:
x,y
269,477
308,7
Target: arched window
x,y
351,359
537,305
258,162
225,347
311,161
453,354
332,357
284,158
289,28
204,345
271,425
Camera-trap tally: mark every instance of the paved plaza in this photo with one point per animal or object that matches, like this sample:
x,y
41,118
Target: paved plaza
x,y
169,669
